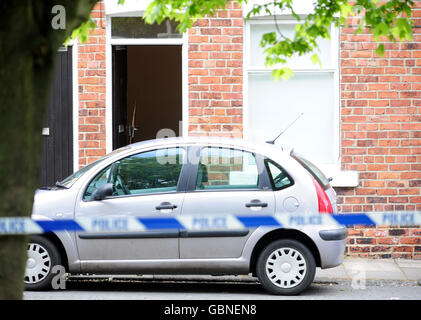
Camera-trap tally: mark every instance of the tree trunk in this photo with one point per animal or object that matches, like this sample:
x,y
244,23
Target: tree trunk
x,y
28,46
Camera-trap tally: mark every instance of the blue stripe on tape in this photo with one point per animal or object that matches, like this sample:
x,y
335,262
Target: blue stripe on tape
x,y
354,219
13,225
161,223
59,225
251,222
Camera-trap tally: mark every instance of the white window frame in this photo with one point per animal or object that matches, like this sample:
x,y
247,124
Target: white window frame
x,y
76,106
340,178
109,42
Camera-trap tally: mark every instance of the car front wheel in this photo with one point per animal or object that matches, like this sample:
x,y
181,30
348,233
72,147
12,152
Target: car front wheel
x,y
42,257
286,267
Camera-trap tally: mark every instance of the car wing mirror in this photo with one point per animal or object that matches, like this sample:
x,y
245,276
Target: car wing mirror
x,y
103,191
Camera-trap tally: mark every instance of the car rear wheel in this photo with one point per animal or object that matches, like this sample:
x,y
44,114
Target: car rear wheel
x,y
286,267
42,257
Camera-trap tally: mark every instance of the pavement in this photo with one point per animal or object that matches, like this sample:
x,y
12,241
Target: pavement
x,y
373,269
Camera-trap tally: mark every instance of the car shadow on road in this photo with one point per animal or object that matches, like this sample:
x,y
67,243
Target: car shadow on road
x,y
154,286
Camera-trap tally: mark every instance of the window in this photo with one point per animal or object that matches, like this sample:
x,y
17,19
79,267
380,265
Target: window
x,y
135,27
70,180
221,168
144,173
97,182
278,176
257,56
313,170
273,105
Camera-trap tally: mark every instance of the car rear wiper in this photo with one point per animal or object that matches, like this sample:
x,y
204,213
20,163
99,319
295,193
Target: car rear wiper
x,y
60,185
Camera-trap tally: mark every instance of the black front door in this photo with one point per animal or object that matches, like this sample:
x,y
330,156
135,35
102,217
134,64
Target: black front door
x,y
57,154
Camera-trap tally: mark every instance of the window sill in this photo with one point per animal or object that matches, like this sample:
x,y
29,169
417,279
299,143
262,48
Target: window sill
x,y
343,179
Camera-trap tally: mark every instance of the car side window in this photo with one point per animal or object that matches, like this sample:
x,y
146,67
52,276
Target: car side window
x,y
223,168
278,176
143,173
100,179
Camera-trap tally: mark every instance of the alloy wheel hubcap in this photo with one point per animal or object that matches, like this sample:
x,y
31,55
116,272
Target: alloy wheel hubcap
x,y
286,267
38,264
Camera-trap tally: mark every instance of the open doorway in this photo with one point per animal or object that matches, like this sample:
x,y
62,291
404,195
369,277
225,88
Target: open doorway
x,y
147,91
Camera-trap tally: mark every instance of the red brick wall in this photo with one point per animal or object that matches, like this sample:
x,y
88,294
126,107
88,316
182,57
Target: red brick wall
x,y
215,56
91,77
381,137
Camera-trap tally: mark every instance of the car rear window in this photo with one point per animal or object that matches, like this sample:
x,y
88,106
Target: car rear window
x,y
312,169
278,176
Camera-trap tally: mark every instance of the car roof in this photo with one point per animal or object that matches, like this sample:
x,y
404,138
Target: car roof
x,y
235,142
261,147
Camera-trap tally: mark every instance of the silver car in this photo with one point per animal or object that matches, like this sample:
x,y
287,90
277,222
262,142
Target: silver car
x,y
179,177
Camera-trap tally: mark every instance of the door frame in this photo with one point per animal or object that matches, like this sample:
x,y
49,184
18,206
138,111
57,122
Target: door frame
x,y
109,42
75,92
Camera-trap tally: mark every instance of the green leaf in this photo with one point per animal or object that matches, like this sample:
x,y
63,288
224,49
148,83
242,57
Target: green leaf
x,y
380,50
82,32
380,30
346,10
284,73
315,59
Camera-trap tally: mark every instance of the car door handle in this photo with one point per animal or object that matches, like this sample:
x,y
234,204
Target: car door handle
x,y
256,203
166,206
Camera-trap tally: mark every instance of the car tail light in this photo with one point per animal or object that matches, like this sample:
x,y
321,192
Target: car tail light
x,y
324,203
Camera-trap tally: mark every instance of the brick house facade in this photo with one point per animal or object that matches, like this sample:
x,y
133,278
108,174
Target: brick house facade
x,y
380,136
380,114
91,91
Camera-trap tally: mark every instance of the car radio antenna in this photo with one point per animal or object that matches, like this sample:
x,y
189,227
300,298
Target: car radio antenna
x,y
273,141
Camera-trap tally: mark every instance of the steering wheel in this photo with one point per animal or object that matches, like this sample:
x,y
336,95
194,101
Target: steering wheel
x,y
120,185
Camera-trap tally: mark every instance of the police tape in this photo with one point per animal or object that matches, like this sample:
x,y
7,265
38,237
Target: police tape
x,y
16,225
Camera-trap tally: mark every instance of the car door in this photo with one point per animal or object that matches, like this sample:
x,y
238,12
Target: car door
x,y
145,184
224,181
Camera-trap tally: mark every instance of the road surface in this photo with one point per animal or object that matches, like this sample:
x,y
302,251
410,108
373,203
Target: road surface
x,y
221,290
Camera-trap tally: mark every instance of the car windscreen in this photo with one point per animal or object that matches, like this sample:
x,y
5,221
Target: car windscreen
x,y
312,169
70,180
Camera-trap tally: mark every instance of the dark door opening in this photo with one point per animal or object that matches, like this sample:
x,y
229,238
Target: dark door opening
x,y
57,152
147,92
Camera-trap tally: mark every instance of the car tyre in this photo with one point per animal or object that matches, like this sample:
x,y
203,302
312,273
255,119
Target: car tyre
x,y
42,257
286,267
